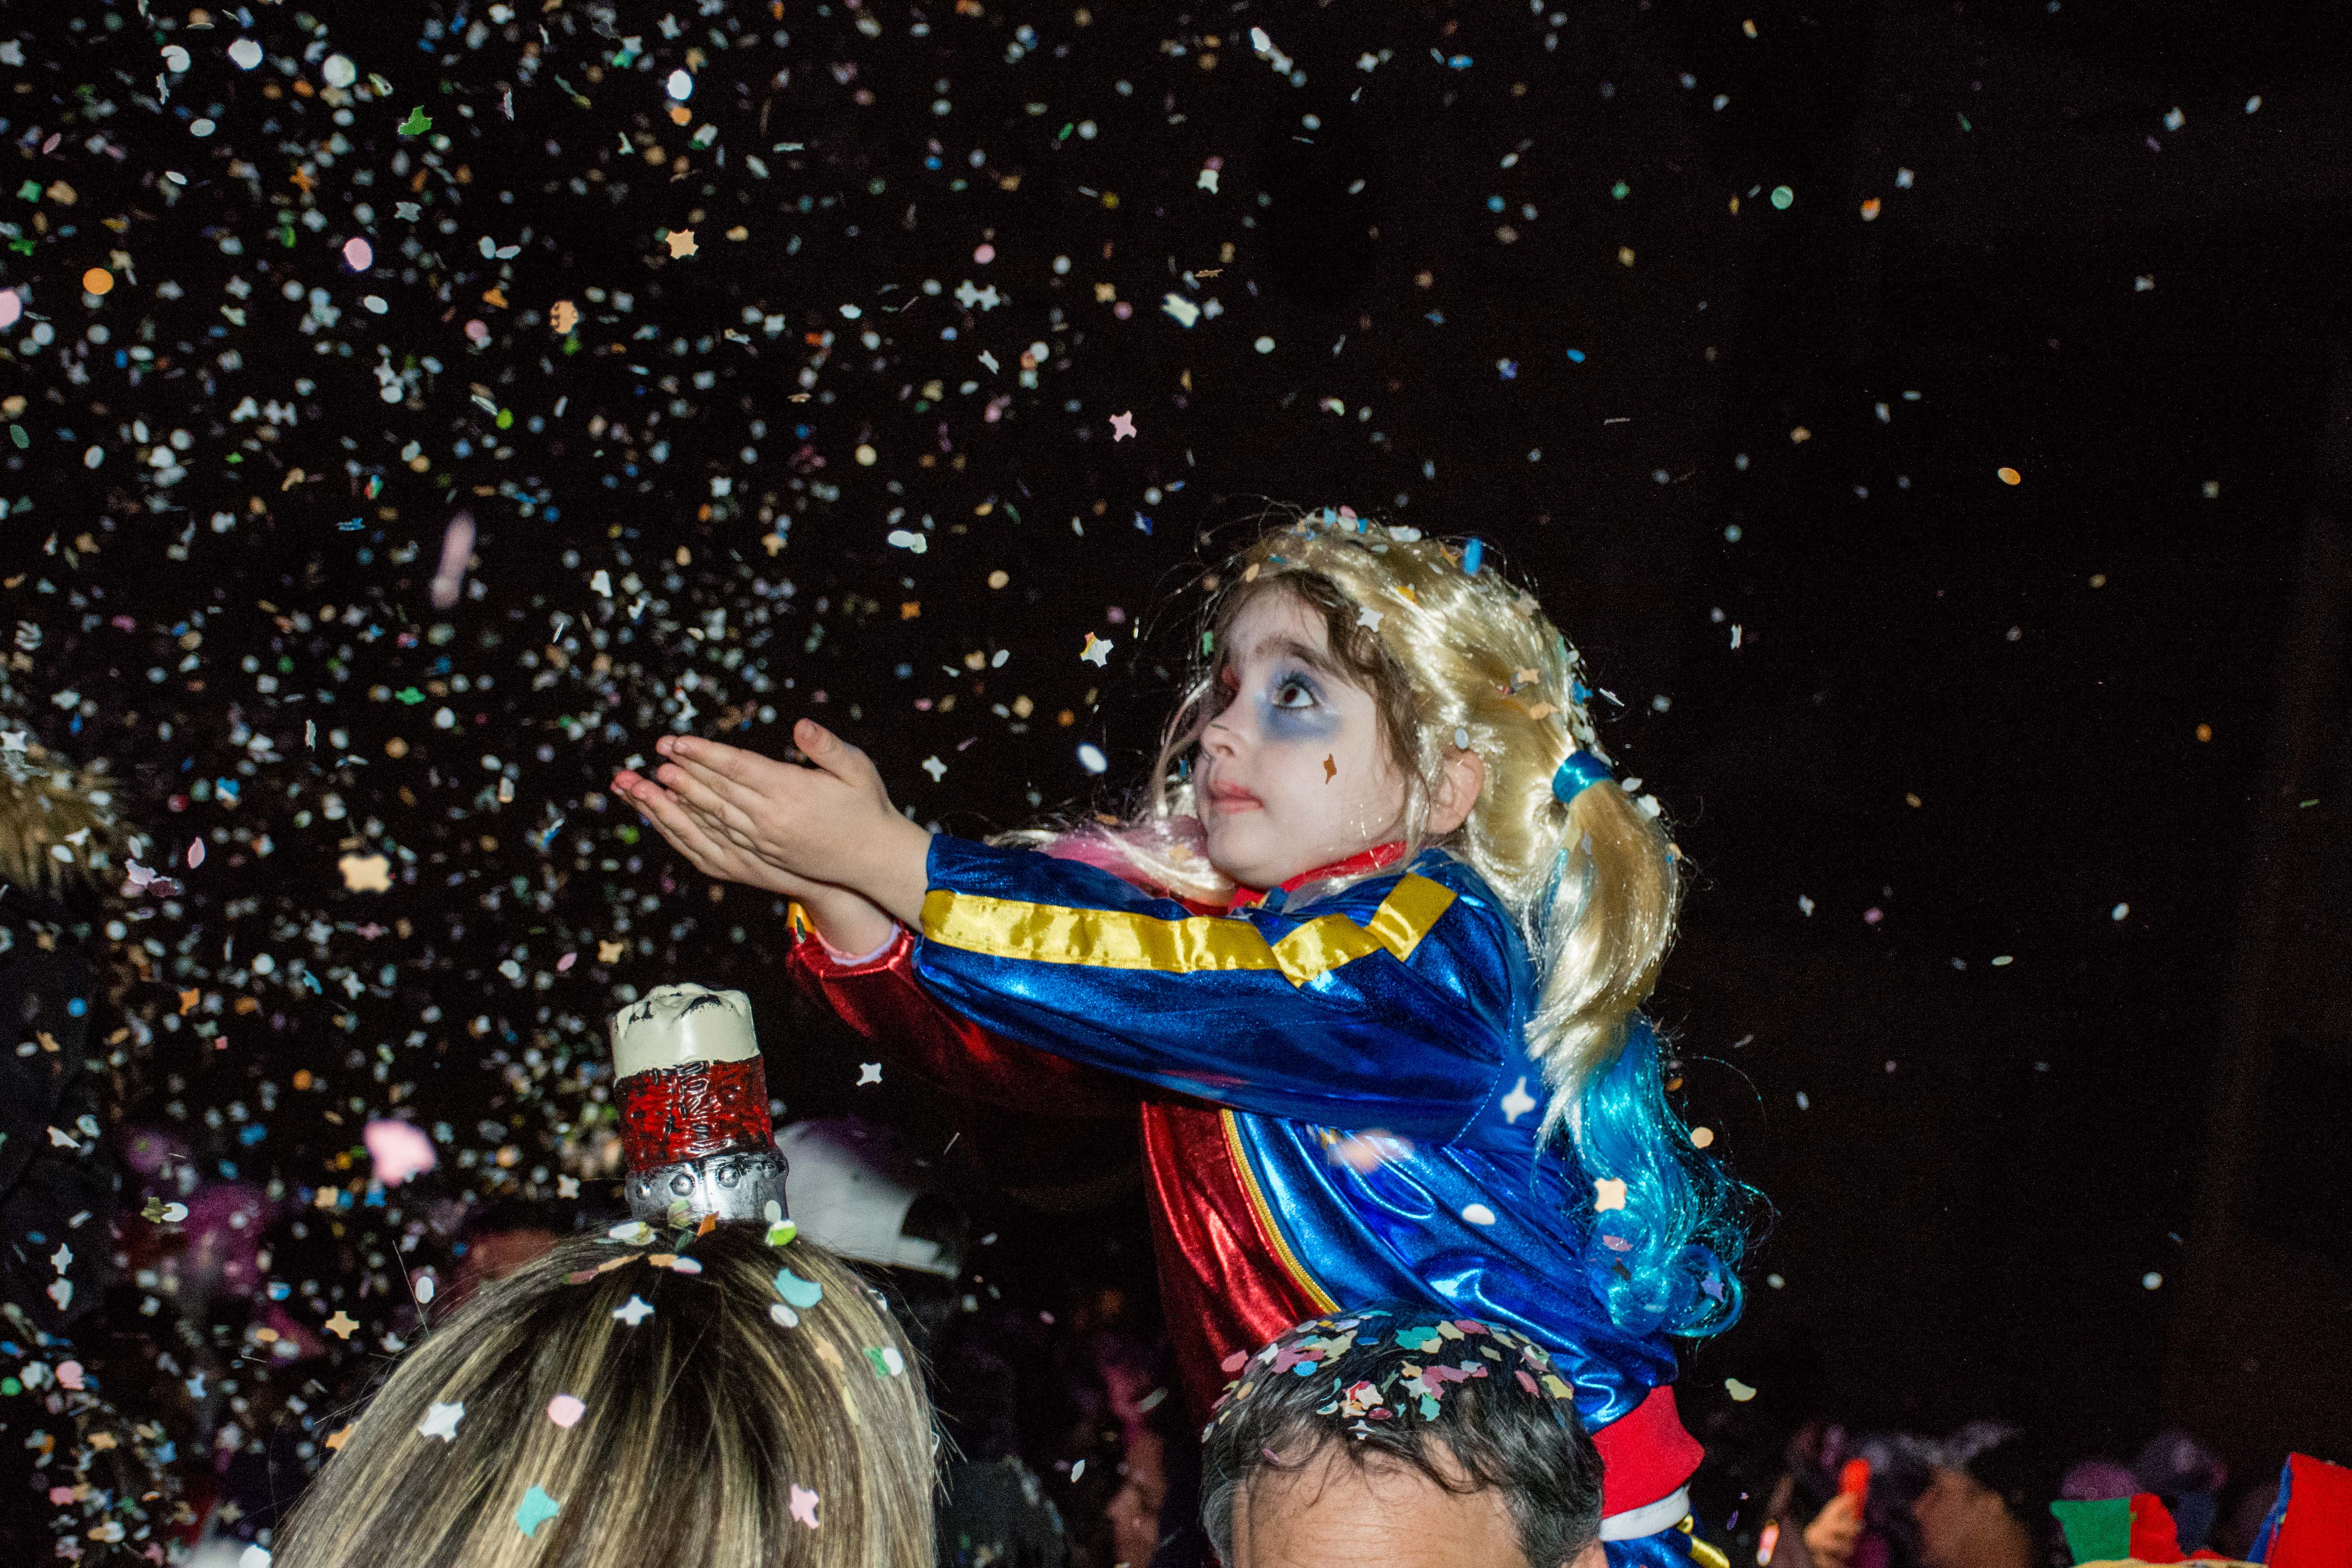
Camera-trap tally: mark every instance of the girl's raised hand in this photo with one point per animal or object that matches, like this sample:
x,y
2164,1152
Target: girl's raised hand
x,y
713,855
831,822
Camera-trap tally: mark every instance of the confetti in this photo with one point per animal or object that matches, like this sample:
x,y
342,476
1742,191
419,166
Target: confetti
x,y
804,1505
441,1421
565,1410
401,1150
797,1292
535,1509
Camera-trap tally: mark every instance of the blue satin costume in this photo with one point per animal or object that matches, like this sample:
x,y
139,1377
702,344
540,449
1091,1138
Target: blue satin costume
x,y
1362,1059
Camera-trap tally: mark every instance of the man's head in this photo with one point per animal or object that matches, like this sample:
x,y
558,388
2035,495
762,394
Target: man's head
x,y
1391,1434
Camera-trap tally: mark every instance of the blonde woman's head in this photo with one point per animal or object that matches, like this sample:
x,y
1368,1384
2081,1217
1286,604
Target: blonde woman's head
x,y
698,1410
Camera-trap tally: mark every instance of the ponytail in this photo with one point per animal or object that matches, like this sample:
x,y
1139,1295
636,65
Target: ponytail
x,y
1666,1259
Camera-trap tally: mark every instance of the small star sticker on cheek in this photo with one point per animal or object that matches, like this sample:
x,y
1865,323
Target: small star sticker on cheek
x,y
681,242
1608,1193
869,1072
1122,426
1330,769
804,1506
340,1325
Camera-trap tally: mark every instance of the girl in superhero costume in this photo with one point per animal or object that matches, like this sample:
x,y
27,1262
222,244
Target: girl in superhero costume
x,y
1372,954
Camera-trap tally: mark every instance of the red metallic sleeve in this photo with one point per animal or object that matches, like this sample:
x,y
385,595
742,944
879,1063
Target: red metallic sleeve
x,y
881,999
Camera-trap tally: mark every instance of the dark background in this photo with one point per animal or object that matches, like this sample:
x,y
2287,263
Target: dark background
x,y
2015,807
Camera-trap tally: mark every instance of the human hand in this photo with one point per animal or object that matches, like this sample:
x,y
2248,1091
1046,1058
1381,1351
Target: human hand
x,y
1835,1531
827,823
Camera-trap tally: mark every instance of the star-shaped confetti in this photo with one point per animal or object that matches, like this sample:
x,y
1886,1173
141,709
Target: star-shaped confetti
x,y
936,768
1097,652
535,1509
805,1505
441,1421
1122,426
632,1311
868,1072
417,123
366,873
563,315
1518,1102
342,1324
340,1436
609,951
1608,1193
681,242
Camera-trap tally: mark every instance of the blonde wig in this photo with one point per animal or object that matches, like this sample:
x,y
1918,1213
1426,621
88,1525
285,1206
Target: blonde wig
x,y
1459,658
709,1432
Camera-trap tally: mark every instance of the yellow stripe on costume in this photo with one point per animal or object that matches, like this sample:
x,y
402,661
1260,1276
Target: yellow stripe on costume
x,y
1705,1553
1289,1260
1113,939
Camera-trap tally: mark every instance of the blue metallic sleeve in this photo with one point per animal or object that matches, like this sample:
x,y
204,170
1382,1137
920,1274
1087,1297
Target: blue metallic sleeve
x,y
1387,1004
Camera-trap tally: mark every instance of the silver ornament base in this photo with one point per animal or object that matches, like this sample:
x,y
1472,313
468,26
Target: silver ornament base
x,y
738,1184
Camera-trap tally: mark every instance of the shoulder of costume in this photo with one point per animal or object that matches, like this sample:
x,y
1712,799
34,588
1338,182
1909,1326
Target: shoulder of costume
x,y
1474,901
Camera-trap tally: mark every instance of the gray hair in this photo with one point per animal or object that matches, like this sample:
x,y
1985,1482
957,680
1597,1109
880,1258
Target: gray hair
x,y
1399,1382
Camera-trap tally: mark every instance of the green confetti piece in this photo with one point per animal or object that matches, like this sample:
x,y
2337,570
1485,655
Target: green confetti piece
x,y
417,123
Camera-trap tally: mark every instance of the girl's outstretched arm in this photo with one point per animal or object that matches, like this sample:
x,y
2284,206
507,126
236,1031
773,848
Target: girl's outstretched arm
x,y
1387,1005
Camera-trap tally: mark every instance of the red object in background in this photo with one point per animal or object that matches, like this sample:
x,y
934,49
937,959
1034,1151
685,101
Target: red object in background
x,y
1853,1481
673,1114
2318,1530
2154,1536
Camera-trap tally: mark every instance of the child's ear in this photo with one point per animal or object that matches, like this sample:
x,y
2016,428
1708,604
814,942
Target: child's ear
x,y
1460,780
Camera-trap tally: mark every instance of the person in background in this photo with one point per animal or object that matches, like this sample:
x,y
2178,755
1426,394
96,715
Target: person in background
x,y
729,1404
80,1477
994,1512
1819,1525
58,1184
1390,1435
1988,1504
2189,1474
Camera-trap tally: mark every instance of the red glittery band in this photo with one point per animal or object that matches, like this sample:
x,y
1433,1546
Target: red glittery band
x,y
669,1114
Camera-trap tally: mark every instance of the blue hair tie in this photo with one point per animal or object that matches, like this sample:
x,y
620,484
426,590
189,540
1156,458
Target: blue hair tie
x,y
1578,771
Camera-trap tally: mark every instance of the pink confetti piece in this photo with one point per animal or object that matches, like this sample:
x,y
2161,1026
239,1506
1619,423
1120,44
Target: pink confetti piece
x,y
565,1410
456,548
401,1150
195,853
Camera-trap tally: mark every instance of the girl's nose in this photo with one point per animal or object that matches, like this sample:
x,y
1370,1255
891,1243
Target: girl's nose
x,y
1219,739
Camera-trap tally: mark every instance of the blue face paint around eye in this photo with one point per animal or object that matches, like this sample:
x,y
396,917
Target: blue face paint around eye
x,y
1285,718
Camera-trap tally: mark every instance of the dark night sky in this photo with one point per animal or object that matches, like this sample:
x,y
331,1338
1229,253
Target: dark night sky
x,y
1958,717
